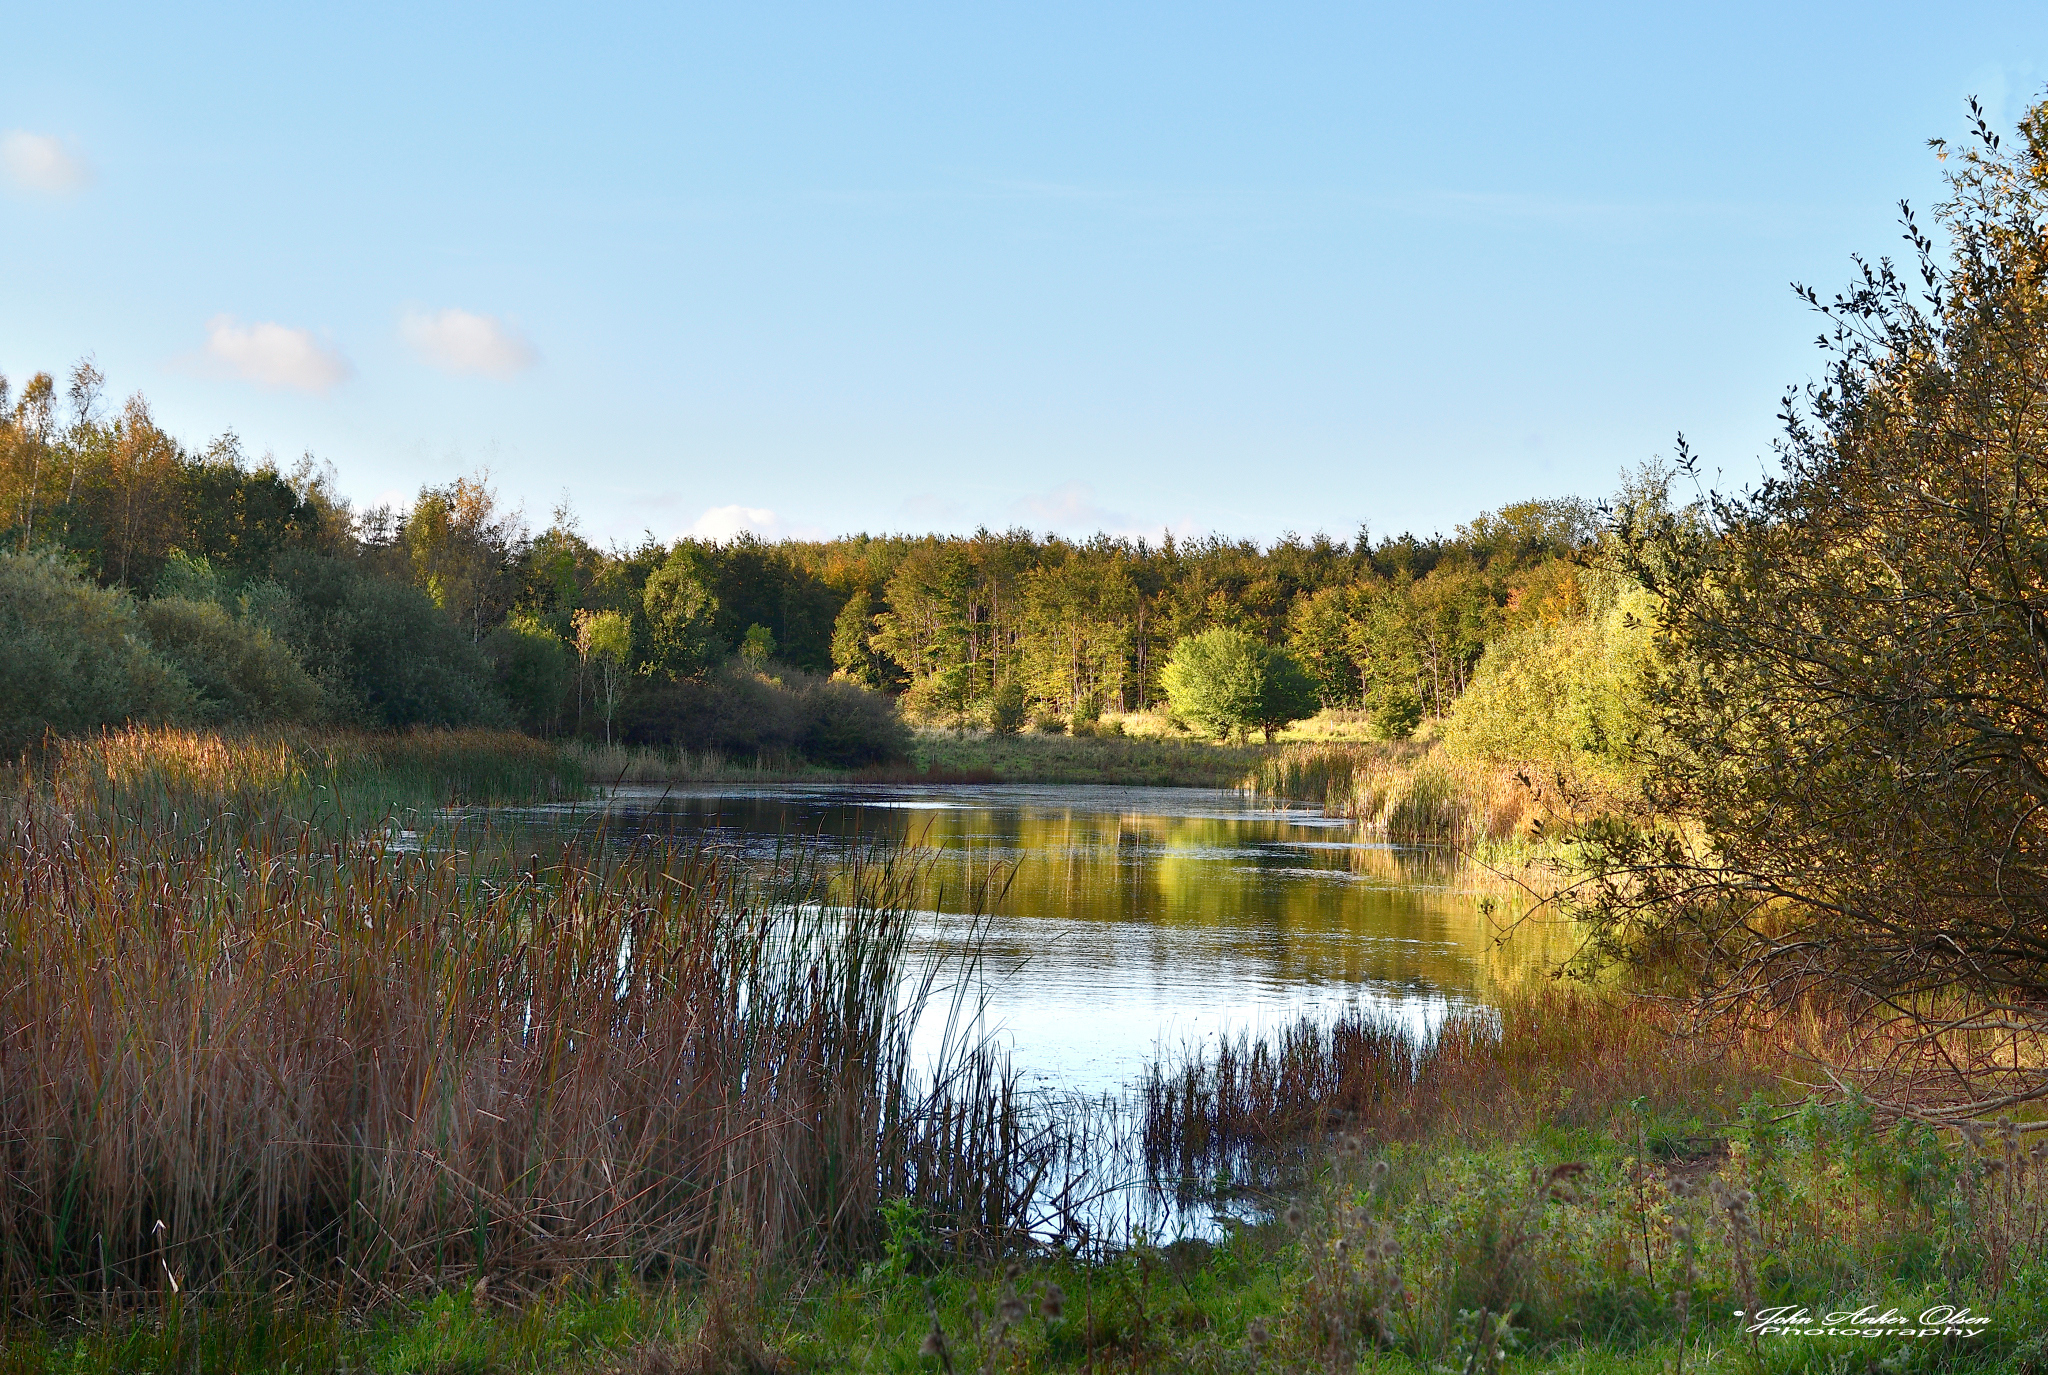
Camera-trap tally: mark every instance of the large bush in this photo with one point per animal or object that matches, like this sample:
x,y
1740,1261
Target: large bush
x,y
736,710
73,658
1569,693
238,670
534,668
385,653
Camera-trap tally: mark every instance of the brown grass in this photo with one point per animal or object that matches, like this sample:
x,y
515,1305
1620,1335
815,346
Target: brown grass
x,y
1410,792
242,1056
1555,1056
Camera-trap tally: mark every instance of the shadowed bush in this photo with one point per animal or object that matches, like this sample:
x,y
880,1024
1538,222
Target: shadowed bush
x,y
738,711
73,658
239,671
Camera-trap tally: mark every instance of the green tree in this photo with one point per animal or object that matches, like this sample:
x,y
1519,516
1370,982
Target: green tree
x,y
1319,635
1227,683
604,641
758,647
681,610
854,655
463,551
1006,709
1854,724
383,652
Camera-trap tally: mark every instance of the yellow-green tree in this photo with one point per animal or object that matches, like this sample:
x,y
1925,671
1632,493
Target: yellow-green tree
x,y
604,643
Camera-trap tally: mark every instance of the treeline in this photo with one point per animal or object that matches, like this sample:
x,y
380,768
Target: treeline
x,y
457,611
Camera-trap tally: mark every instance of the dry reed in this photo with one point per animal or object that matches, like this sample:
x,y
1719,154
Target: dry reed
x,y
1554,1056
233,1057
1409,792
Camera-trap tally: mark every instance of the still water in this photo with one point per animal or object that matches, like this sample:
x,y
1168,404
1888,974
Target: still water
x,y
1135,920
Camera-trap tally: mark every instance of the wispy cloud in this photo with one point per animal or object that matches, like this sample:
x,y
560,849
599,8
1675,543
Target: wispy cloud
x,y
460,341
40,163
274,355
726,522
1071,509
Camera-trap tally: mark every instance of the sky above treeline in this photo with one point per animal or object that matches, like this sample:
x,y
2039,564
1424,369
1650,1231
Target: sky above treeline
x,y
813,270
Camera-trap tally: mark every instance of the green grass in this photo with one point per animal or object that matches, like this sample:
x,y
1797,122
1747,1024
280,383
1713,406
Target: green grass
x,y
1103,759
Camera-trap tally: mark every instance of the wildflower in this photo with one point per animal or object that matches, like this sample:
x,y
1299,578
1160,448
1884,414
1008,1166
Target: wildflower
x,y
1256,1333
1013,1309
1294,1217
1013,1271
1380,1169
1390,1248
1052,1302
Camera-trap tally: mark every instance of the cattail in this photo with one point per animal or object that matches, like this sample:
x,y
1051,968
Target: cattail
x,y
1052,1302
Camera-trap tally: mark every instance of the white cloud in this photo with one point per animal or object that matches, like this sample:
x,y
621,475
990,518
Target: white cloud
x,y
726,522
37,162
275,355
458,341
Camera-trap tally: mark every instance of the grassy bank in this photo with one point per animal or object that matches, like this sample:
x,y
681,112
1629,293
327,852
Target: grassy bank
x,y
947,756
1149,761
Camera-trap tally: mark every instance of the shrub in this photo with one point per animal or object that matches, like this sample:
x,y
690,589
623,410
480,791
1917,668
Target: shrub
x,y
734,710
1570,694
72,657
384,651
238,670
1006,709
533,669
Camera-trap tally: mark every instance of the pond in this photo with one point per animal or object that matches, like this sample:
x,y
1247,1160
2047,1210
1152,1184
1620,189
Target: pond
x,y
1134,920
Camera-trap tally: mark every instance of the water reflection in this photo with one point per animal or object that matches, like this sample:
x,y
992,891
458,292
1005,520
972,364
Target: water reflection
x,y
1134,918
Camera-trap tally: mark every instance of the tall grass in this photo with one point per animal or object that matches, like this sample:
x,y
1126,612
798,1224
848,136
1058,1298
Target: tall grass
x,y
172,777
1536,1059
236,1057
1411,792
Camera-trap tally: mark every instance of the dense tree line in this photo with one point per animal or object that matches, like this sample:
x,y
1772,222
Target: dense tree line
x,y
456,609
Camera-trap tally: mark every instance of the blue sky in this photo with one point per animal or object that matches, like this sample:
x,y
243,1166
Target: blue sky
x,y
819,269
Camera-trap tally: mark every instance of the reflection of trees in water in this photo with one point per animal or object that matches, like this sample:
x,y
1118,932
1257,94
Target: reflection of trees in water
x,y
1286,898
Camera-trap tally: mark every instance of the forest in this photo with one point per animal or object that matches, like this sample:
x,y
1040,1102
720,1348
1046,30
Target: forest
x,y
215,589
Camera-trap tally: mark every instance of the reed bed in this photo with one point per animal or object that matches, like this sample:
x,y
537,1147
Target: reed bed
x,y
1549,1057
237,1058
169,777
1410,792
